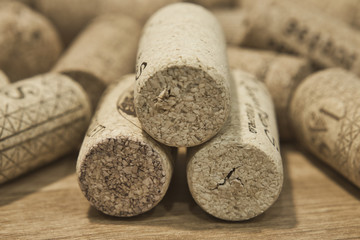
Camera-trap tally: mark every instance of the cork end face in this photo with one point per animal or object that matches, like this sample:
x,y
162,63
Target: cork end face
x,y
182,106
234,183
122,177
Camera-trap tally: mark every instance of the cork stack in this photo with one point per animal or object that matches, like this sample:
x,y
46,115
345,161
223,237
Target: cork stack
x,y
326,118
281,74
238,174
104,51
42,118
29,43
121,170
182,90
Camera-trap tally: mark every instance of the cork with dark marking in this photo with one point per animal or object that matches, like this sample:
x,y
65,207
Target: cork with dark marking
x,y
121,170
281,74
3,79
182,91
238,174
102,53
41,119
287,25
326,119
28,41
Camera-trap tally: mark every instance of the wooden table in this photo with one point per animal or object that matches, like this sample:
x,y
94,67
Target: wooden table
x,y
316,203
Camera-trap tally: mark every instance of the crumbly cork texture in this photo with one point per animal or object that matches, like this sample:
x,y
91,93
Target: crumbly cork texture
x,y
3,79
42,118
324,113
121,170
29,43
287,25
281,74
102,53
238,174
182,90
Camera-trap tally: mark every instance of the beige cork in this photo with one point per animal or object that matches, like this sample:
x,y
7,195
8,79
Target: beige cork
x,y
121,170
3,79
103,52
29,43
325,40
236,24
281,74
182,91
326,119
41,119
238,174
71,16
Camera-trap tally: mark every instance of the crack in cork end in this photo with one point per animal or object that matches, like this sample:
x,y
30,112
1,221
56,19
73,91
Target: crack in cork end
x,y
234,183
123,177
182,106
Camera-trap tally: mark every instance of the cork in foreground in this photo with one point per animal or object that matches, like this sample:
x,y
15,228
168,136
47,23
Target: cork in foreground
x,y
326,118
281,74
29,43
281,24
182,90
121,170
41,119
103,52
238,174
3,79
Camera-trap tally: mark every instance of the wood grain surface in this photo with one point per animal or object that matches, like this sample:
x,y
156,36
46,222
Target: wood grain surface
x,y
316,203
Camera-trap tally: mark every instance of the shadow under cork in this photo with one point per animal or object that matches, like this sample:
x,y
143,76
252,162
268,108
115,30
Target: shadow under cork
x,y
37,179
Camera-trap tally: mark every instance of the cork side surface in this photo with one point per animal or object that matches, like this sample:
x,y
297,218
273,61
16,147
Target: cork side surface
x,y
3,79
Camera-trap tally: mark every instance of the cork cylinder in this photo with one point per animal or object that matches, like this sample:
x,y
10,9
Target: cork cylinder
x,y
3,79
325,40
29,43
238,174
281,74
71,16
104,51
182,91
41,119
325,115
121,170
236,24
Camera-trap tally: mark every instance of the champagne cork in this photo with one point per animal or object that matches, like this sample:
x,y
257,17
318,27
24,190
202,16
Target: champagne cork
x,y
29,44
104,51
42,118
71,16
236,24
3,79
182,92
325,115
281,74
121,170
238,174
325,40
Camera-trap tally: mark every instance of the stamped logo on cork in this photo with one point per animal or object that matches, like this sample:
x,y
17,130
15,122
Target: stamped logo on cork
x,y
126,108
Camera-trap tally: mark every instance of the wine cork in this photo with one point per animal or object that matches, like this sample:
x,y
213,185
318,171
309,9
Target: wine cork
x,y
323,39
29,44
236,24
325,115
182,90
3,79
71,16
238,174
121,170
42,118
104,51
281,74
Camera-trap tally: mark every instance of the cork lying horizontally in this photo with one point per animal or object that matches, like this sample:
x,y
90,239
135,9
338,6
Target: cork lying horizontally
x,y
121,170
70,16
104,51
326,119
325,40
29,43
182,90
41,119
281,74
236,24
238,174
3,79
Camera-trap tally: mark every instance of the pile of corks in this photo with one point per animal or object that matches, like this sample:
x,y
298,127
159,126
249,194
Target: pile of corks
x,y
133,81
